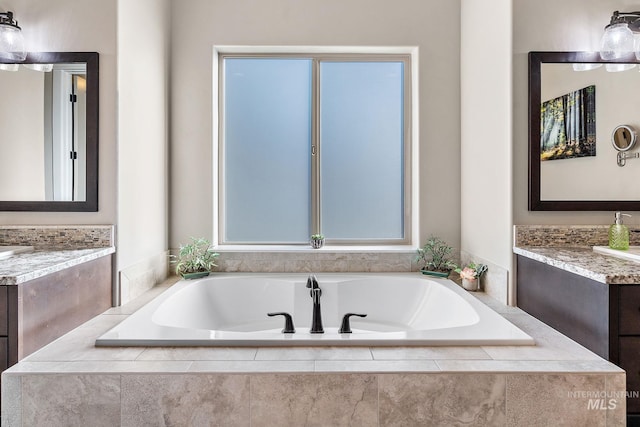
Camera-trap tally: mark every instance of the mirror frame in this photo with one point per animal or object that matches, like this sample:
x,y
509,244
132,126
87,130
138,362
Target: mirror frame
x,y
91,201
536,59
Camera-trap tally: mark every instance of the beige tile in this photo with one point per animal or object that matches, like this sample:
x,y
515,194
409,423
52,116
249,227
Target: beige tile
x,y
314,400
411,353
11,414
442,399
550,344
71,400
549,366
79,344
373,366
616,388
101,366
314,353
495,305
549,400
185,400
198,353
263,366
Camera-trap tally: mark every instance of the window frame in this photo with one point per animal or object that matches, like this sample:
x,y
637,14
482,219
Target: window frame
x,y
406,55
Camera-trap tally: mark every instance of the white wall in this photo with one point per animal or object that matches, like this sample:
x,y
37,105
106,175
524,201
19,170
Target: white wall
x,y
198,25
22,138
143,97
69,25
549,25
486,134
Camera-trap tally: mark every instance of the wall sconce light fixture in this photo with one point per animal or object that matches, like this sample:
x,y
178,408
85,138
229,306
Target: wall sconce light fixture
x,y
621,37
11,39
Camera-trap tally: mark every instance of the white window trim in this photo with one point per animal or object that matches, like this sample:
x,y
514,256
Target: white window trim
x,y
414,145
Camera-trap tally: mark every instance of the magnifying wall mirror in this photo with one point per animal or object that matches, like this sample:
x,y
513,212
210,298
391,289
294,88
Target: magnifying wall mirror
x,y
576,100
49,138
623,138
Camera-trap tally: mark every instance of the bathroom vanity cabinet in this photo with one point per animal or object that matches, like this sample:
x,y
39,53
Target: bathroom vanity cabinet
x,y
603,317
36,312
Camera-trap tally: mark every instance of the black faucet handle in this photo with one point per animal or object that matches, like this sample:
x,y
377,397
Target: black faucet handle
x,y
345,328
312,282
288,322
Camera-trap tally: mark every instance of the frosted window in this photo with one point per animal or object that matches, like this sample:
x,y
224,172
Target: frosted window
x,y
267,150
361,140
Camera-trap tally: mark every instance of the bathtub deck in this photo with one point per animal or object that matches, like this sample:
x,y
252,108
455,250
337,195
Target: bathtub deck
x,y
74,381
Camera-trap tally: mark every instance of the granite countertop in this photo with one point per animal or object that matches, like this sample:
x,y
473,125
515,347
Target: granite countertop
x,y
23,267
585,262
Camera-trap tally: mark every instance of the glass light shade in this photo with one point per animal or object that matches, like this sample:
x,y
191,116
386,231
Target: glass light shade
x,y
9,67
585,67
45,68
615,68
11,43
617,42
636,46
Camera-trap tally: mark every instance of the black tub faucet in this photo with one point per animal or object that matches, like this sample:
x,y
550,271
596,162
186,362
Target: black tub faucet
x,y
315,292
345,328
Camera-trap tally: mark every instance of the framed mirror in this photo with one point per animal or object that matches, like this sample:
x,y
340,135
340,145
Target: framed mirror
x,y
49,138
576,100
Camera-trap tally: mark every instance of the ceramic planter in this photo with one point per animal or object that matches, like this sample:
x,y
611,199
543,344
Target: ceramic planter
x,y
471,284
444,274
196,275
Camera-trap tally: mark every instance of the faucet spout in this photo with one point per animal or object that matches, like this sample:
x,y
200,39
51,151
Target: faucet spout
x,y
315,292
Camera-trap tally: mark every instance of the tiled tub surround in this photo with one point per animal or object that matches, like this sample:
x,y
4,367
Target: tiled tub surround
x,y
71,382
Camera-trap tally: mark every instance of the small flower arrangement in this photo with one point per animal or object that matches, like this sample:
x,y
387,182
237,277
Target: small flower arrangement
x,y
317,237
470,275
472,271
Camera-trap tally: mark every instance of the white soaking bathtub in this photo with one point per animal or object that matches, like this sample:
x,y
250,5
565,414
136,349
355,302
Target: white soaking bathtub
x,y
230,309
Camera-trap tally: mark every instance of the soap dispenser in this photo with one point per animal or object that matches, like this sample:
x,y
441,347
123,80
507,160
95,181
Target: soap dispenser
x,y
619,233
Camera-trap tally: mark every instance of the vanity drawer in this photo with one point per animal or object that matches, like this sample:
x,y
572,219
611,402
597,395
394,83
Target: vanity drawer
x,y
629,310
630,362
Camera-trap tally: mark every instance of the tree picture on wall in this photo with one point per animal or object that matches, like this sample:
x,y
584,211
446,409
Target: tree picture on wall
x,y
568,125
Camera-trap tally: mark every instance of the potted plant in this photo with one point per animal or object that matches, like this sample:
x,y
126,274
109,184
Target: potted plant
x,y
317,241
435,256
195,259
471,275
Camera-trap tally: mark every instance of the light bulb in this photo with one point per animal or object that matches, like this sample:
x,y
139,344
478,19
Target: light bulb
x,y
615,68
585,67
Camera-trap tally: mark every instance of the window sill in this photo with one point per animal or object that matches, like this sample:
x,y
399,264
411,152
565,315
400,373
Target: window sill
x,y
396,249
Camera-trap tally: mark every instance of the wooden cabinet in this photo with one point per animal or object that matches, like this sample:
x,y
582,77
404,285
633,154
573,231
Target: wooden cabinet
x,y
603,318
36,312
